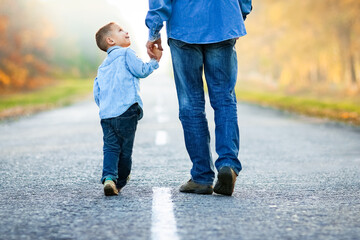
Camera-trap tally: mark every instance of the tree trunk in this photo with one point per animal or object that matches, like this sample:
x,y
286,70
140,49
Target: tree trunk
x,y
352,68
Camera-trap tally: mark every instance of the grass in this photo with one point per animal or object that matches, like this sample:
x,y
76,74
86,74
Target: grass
x,y
63,93
67,91
331,107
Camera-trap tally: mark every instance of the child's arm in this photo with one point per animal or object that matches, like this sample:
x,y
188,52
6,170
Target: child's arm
x,y
137,67
96,92
157,53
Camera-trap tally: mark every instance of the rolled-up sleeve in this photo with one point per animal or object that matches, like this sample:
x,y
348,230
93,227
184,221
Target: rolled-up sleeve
x,y
137,67
246,7
159,11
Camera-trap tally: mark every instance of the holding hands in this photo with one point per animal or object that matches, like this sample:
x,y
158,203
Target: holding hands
x,y
154,49
157,53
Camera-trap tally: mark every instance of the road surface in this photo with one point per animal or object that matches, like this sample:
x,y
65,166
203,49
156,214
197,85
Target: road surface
x,y
300,178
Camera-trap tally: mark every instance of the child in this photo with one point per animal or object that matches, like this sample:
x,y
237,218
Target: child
x,y
116,92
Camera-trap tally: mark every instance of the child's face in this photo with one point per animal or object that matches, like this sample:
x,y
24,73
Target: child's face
x,y
120,37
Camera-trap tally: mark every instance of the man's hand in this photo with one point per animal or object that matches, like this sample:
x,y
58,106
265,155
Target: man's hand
x,y
150,47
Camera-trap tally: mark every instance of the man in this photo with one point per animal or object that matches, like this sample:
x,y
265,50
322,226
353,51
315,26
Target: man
x,y
201,36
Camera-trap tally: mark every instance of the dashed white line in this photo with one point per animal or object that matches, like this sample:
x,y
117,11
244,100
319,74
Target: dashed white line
x,y
161,138
163,219
161,118
159,109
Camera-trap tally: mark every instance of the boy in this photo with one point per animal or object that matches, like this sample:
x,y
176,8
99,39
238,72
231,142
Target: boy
x,y
116,92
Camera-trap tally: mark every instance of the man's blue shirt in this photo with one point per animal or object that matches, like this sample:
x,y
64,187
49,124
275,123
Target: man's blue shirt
x,y
198,21
116,86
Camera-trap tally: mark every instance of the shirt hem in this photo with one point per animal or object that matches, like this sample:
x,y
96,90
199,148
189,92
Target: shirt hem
x,y
206,42
121,112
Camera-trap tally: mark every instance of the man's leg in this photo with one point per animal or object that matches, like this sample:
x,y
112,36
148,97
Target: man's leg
x,y
220,66
188,68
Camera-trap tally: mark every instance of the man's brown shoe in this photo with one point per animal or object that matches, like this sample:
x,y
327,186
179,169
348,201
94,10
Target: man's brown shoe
x,y
192,187
226,181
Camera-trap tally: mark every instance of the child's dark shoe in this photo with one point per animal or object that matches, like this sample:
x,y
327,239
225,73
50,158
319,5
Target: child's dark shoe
x,y
110,188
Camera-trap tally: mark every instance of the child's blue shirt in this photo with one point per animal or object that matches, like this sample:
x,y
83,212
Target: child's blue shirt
x,y
116,86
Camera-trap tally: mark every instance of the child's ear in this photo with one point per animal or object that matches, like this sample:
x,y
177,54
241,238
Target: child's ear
x,y
110,41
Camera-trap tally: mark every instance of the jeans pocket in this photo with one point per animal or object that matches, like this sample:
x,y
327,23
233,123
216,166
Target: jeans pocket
x,y
226,43
177,43
126,125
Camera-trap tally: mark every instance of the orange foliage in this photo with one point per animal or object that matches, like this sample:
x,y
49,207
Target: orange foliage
x,y
4,78
23,45
303,44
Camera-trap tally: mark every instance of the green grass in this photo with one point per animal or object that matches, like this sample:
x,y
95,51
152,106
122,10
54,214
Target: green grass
x,y
335,108
67,91
63,93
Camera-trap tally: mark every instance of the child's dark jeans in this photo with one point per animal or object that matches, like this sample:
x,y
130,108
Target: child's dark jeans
x,y
119,134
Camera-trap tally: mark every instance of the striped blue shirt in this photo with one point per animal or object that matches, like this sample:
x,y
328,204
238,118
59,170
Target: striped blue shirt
x,y
198,21
116,86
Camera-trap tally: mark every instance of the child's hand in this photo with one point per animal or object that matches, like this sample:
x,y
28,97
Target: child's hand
x,y
157,53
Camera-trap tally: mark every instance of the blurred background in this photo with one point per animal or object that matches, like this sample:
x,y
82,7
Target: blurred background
x,y
295,52
47,40
303,45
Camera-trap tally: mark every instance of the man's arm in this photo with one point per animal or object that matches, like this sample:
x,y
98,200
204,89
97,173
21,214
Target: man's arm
x,y
246,7
159,11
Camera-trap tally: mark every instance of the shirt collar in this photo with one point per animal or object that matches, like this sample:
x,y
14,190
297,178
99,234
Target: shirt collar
x,y
110,49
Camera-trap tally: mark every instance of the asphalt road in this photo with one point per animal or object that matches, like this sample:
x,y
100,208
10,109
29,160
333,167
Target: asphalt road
x,y
300,178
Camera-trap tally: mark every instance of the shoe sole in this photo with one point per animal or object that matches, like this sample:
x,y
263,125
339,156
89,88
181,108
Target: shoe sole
x,y
109,191
225,185
204,191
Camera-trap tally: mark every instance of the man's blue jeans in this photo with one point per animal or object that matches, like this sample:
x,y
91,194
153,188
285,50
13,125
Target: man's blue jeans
x,y
119,134
219,63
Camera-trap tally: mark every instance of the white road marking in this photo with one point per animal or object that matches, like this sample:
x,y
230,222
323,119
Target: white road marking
x,y
161,138
163,219
159,109
162,118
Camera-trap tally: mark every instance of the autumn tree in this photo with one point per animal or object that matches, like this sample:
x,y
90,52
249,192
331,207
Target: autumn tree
x,y
47,41
23,45
304,44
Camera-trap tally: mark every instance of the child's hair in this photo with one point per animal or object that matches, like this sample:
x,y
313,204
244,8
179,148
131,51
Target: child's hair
x,y
101,35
